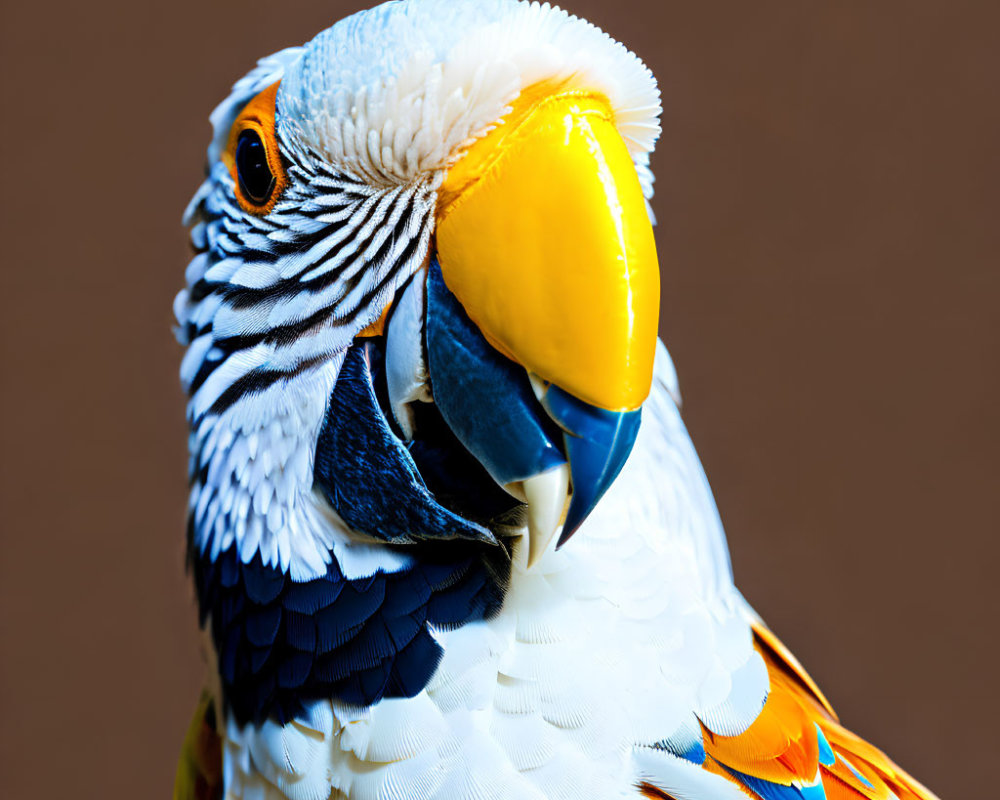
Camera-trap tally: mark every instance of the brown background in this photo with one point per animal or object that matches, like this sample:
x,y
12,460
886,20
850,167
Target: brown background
x,y
828,199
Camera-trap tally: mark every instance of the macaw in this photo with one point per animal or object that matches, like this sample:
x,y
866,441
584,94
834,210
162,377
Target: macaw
x,y
448,534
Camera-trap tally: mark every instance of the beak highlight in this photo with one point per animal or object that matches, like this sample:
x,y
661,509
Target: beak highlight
x,y
544,238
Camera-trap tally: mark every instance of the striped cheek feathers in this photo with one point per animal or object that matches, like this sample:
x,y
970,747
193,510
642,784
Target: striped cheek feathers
x,y
294,257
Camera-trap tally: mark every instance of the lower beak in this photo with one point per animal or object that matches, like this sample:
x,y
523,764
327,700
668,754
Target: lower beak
x,y
544,239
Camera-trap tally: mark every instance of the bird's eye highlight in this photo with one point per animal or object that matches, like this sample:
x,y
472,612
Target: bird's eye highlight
x,y
253,155
257,182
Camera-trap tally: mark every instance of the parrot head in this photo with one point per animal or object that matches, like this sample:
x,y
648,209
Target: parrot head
x,y
422,313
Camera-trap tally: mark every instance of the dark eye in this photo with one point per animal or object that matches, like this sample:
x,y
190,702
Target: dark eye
x,y
254,173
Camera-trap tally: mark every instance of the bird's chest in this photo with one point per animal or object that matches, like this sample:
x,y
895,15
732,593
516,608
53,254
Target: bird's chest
x,y
586,659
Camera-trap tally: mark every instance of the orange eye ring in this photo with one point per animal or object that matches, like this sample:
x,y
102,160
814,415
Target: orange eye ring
x,y
253,147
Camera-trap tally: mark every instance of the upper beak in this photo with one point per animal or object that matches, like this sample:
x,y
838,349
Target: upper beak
x,y
544,238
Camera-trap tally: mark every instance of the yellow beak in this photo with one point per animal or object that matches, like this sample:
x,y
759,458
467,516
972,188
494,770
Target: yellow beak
x,y
544,238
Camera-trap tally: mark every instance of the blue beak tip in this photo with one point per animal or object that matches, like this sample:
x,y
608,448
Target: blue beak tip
x,y
491,407
598,443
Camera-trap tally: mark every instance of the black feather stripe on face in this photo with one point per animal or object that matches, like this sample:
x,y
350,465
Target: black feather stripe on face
x,y
364,240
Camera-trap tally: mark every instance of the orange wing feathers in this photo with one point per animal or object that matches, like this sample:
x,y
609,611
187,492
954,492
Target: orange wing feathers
x,y
797,748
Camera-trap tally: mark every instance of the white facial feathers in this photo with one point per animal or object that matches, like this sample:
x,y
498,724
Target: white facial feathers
x,y
395,92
